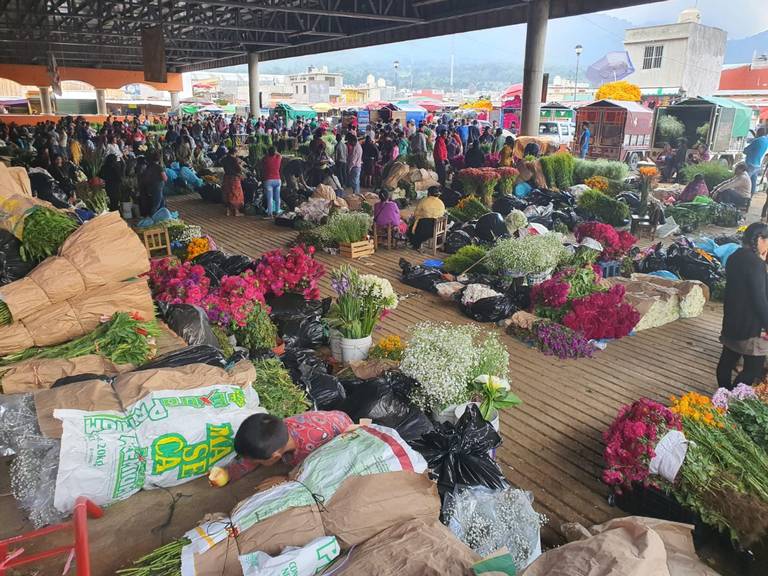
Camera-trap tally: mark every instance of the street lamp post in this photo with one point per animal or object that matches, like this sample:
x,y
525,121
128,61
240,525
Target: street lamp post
x,y
578,49
396,64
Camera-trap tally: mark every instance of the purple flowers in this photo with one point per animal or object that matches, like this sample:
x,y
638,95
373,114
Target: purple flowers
x,y
723,396
554,339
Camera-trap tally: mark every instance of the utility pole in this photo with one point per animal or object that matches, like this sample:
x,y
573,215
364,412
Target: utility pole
x,y
578,49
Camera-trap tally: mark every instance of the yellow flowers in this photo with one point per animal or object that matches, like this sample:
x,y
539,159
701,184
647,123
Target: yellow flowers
x,y
597,183
620,90
390,348
698,408
196,247
465,201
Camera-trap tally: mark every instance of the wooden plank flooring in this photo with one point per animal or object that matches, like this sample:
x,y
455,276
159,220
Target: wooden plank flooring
x,y
553,442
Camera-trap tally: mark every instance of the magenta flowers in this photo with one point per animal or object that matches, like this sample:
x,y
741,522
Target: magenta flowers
x,y
178,283
296,271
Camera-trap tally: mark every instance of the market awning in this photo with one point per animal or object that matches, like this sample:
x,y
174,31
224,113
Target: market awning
x,y
295,111
322,107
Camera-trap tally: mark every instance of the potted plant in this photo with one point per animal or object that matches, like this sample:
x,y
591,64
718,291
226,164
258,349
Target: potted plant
x,y
351,232
362,300
491,394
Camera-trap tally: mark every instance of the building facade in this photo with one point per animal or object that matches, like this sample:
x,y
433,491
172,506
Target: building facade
x,y
748,84
316,85
683,59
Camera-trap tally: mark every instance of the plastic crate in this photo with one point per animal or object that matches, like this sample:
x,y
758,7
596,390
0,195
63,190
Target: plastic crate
x,y
610,268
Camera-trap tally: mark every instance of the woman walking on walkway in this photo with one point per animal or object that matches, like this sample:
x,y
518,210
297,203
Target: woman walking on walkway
x,y
233,188
271,173
745,310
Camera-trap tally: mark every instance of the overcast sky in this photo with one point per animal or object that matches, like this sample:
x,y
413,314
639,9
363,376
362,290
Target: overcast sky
x,y
740,18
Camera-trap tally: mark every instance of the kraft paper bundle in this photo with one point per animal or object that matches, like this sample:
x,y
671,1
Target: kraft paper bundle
x,y
40,374
626,547
76,317
102,251
14,180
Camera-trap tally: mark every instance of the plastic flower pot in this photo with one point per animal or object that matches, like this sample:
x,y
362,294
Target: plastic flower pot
x,y
533,279
354,349
334,341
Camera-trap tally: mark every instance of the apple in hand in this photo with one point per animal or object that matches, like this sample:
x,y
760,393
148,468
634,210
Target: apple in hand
x,y
218,476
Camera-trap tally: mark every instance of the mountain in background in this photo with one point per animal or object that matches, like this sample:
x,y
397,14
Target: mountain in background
x,y
487,59
743,49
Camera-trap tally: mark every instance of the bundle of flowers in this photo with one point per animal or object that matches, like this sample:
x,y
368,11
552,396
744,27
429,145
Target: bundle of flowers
x,y
389,348
553,339
602,315
507,178
725,474
362,300
615,244
197,246
747,409
457,162
232,303
184,233
531,254
631,440
446,358
469,208
620,90
476,180
597,183
297,271
492,160
176,283
550,299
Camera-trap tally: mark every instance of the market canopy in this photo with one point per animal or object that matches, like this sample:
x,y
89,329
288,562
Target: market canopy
x,y
295,111
322,107
477,105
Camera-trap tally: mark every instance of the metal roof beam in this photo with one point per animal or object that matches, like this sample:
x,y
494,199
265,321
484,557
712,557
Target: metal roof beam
x,y
252,6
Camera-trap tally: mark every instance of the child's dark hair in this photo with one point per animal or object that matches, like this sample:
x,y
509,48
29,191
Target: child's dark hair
x,y
260,435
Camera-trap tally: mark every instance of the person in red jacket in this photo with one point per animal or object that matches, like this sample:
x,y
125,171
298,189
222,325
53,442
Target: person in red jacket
x,y
441,157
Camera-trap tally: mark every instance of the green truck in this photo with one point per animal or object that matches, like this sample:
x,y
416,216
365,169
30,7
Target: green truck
x,y
719,123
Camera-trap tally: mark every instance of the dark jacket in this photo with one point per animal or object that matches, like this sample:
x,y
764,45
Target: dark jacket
x,y
745,313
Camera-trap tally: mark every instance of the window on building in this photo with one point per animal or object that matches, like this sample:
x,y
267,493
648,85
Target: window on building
x,y
652,57
305,88
297,89
330,80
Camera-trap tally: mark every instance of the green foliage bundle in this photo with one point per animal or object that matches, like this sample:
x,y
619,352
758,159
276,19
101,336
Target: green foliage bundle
x,y
610,169
258,333
669,129
277,392
164,561
470,208
691,215
465,258
558,170
45,230
347,227
714,173
604,208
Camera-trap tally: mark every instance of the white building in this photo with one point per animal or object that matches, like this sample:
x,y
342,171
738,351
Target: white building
x,y
316,85
683,58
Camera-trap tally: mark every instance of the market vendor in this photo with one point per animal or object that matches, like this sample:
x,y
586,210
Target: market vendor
x,y
265,439
427,211
736,190
696,187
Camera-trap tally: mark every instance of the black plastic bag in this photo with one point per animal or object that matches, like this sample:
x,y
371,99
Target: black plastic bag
x,y
191,323
490,227
692,266
185,356
520,296
81,378
302,331
450,198
324,389
415,425
300,363
12,267
632,199
491,309
456,240
286,220
654,261
211,192
459,454
420,276
235,265
379,399
212,262
505,204
469,228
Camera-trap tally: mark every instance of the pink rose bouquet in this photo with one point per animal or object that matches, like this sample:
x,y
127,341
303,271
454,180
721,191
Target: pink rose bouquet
x,y
615,244
296,271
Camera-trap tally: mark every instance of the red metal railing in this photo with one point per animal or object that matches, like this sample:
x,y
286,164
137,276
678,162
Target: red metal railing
x,y
84,509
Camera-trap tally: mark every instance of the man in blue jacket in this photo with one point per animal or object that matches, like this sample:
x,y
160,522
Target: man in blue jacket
x,y
753,156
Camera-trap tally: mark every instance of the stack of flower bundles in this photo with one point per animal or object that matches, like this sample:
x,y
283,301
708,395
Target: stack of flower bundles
x,y
65,296
660,300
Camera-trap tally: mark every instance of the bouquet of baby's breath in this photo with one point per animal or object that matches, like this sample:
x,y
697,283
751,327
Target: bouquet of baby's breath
x,y
532,254
446,358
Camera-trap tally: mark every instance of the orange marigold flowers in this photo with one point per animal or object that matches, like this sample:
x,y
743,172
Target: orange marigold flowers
x,y
698,408
197,246
597,183
648,171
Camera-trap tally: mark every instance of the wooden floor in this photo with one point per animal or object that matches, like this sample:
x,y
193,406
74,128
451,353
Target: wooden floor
x,y
553,442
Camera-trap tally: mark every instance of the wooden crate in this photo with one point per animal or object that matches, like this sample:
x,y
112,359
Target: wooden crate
x,y
356,249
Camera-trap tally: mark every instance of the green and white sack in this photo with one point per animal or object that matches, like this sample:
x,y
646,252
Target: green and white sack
x,y
305,561
167,438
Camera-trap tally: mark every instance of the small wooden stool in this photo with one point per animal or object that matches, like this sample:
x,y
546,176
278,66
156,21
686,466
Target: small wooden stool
x,y
155,239
385,235
439,235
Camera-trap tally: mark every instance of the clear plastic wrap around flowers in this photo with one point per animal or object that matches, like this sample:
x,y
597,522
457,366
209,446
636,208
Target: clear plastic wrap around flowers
x,y
33,479
19,420
487,520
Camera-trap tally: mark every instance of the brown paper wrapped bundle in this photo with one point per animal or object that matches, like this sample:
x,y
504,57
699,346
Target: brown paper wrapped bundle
x,y
76,317
102,251
42,373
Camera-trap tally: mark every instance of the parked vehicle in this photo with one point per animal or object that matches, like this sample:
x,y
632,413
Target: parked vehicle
x,y
719,123
620,130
